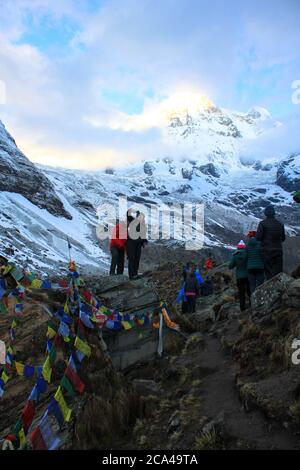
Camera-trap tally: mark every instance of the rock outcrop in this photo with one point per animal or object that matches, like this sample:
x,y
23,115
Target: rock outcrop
x,y
19,175
288,173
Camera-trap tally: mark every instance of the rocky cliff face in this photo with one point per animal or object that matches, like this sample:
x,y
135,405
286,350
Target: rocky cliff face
x,y
19,175
288,173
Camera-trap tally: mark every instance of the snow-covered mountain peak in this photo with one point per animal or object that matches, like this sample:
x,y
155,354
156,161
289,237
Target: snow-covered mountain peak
x,y
259,113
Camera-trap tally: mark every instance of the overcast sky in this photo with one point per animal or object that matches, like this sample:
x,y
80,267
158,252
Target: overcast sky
x,y
78,71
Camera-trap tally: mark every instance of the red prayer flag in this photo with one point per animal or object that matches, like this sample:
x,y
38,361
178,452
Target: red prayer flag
x,y
28,415
37,440
74,379
87,295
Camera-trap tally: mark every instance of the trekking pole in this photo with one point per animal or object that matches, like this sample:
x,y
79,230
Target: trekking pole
x,y
160,338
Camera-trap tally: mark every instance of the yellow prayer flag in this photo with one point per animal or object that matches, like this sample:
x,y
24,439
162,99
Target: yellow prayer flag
x,y
66,308
103,309
36,283
66,411
19,368
50,332
82,346
47,370
126,325
4,377
22,437
7,269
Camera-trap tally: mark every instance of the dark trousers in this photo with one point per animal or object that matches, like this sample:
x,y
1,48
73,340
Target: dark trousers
x,y
117,260
256,277
273,262
191,303
244,290
134,255
184,307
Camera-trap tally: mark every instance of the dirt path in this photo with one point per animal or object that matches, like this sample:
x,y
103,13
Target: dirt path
x,y
221,398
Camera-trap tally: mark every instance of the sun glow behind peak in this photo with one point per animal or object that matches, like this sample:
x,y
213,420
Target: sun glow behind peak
x,y
186,102
156,113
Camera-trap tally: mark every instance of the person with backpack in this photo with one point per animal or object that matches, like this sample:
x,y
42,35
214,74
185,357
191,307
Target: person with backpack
x,y
117,248
239,262
191,291
255,262
271,234
209,264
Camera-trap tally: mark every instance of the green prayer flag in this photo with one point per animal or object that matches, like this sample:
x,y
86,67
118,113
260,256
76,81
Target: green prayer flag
x,y
3,308
65,382
52,354
17,274
17,427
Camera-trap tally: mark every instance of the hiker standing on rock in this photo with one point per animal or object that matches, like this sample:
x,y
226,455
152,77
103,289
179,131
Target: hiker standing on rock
x,y
136,240
271,234
255,263
239,261
117,248
209,263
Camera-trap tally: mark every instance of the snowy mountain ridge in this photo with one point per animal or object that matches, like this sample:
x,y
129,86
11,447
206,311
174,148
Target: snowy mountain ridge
x,y
41,206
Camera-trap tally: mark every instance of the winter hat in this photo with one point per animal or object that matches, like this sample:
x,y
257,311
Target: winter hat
x,y
251,233
269,211
241,245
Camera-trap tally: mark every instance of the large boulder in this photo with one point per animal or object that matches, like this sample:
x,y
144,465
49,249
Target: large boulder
x,y
292,296
269,296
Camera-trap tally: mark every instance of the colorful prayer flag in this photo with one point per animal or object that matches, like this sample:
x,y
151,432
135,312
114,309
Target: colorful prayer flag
x,y
50,332
126,325
28,371
43,437
75,380
47,370
36,283
82,346
28,415
62,405
19,368
56,411
22,437
5,376
84,317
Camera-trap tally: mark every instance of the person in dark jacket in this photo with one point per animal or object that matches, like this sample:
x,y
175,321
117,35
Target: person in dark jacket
x,y
117,248
141,242
239,262
207,288
191,291
255,263
186,270
135,242
271,234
